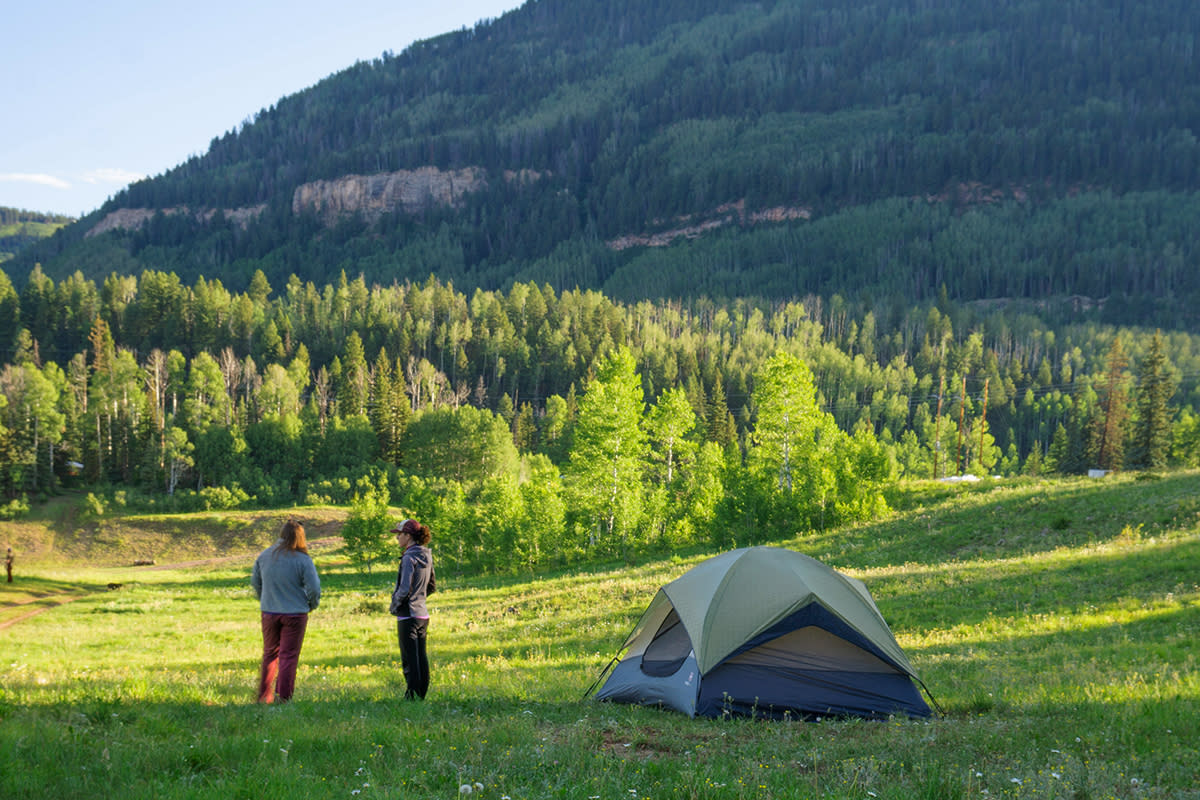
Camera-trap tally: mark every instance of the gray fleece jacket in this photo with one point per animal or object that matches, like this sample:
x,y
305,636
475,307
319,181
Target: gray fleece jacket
x,y
414,581
285,582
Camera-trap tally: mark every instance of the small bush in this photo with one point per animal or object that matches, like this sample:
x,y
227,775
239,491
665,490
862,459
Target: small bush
x,y
93,507
14,509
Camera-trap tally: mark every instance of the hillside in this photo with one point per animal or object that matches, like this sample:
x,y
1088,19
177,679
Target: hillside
x,y
1003,150
19,229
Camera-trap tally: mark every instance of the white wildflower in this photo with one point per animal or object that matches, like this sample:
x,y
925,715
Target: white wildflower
x,y
465,789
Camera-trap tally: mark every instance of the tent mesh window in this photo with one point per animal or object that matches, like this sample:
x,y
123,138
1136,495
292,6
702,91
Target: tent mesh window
x,y
668,649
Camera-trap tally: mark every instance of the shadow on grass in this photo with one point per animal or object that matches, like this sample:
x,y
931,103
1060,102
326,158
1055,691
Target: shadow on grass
x,y
27,589
998,520
940,597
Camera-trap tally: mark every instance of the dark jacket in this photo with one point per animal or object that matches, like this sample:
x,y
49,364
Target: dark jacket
x,y
414,581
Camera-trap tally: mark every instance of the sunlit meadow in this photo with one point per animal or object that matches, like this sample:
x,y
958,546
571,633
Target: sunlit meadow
x,y
1054,623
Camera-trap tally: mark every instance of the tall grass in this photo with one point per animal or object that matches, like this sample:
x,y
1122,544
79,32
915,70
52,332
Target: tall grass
x,y
1056,624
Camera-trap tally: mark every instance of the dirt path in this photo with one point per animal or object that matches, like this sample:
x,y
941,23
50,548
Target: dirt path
x,y
54,602
56,599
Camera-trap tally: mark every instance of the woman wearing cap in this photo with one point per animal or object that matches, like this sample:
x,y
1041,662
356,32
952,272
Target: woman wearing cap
x,y
414,581
286,584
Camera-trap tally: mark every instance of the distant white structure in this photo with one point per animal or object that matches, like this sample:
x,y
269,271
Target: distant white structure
x,y
1097,473
968,478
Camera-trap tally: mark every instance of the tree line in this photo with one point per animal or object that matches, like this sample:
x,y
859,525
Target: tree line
x,y
597,423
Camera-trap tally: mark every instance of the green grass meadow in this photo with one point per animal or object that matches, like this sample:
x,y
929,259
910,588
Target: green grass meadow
x,y
1055,623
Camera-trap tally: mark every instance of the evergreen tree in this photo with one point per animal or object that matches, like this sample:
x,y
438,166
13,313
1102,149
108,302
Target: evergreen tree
x,y
353,389
525,430
1150,441
720,425
389,406
1057,454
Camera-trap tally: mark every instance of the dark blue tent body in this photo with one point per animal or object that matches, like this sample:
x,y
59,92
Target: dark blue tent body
x,y
765,631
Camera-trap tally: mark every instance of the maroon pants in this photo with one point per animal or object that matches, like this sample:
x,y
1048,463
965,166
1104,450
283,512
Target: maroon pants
x,y
283,634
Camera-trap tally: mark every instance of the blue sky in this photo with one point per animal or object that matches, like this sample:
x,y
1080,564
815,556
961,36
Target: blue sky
x,y
99,94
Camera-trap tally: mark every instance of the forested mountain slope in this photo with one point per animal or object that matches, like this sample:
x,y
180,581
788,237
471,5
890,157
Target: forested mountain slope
x,y
19,229
1032,149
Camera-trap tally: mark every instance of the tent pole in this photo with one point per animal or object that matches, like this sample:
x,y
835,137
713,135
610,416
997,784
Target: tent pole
x,y
603,672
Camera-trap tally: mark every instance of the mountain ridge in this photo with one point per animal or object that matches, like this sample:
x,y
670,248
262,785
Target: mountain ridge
x,y
1014,148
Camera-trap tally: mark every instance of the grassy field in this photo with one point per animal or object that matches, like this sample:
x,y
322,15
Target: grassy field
x,y
1056,624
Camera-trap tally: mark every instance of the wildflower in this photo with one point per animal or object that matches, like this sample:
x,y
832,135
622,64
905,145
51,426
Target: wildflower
x,y
1017,781
478,786
465,789
1055,775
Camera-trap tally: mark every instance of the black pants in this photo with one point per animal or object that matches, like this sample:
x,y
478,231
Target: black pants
x,y
411,633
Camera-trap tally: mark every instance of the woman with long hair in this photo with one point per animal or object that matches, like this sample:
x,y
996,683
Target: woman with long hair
x,y
287,586
414,582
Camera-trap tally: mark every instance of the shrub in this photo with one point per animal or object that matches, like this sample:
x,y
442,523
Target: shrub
x,y
14,509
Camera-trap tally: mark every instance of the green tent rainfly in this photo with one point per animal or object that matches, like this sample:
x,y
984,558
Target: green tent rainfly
x,y
765,631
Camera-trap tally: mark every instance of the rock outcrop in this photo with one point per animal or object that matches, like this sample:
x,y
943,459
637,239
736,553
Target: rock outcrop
x,y
410,191
131,219
695,225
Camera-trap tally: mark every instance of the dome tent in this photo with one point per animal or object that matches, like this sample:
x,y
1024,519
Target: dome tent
x,y
765,631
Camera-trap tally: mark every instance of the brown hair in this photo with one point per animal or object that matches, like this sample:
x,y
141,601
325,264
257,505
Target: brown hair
x,y
291,537
419,533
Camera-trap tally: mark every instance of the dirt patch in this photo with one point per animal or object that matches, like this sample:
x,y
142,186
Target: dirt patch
x,y
59,536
